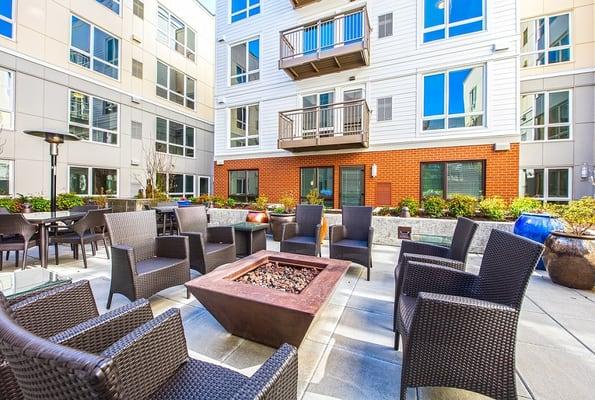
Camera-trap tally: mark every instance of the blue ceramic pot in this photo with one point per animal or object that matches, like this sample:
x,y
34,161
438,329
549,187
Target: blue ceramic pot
x,y
537,227
184,203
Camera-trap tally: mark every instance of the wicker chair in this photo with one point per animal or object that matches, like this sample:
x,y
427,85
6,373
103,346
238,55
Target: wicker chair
x,y
353,239
210,246
458,328
16,234
68,305
142,263
303,236
128,354
454,256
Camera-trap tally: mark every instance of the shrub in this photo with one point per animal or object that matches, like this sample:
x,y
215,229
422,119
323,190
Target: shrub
x,y
202,199
462,205
313,197
10,204
40,204
410,203
230,203
261,203
288,202
218,202
493,208
388,212
65,201
579,216
434,206
524,204
100,201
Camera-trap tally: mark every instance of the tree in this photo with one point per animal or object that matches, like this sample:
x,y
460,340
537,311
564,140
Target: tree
x,y
156,164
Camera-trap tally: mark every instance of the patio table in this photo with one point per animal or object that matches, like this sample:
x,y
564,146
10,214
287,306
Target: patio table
x,y
42,220
441,240
250,238
24,283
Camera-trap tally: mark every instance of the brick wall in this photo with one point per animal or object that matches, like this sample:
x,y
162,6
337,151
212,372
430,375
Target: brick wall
x,y
401,168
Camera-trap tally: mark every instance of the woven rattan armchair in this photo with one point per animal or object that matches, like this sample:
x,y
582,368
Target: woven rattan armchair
x,y
210,246
303,236
142,263
16,234
458,328
353,239
128,354
454,256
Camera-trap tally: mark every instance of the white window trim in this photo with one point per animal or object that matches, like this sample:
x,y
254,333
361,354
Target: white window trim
x,y
109,9
170,39
546,178
91,44
447,25
547,47
246,10
248,72
10,177
11,21
246,137
446,115
169,91
208,178
90,177
546,124
167,143
90,126
184,191
10,125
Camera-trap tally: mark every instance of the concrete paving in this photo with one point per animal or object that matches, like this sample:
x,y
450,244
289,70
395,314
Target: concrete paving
x,y
348,353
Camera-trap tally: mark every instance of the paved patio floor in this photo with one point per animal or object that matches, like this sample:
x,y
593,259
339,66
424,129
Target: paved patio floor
x,y
348,353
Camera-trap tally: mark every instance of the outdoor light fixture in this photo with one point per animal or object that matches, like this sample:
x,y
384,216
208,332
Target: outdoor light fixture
x,y
585,171
374,170
54,139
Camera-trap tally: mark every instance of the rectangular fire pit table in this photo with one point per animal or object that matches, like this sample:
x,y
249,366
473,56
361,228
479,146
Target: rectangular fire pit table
x,y
267,315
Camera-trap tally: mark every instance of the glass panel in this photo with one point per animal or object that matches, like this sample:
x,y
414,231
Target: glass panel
x,y
176,150
190,88
465,93
176,81
540,109
466,28
532,182
253,120
176,183
465,178
434,35
254,55
161,130
113,5
237,183
557,183
189,188
353,29
79,108
433,13
203,186
538,134
105,47
465,122
82,133
527,110
6,8
176,133
432,180
238,5
252,184
189,136
79,180
80,35
434,95
461,10
160,182
105,115
559,132
308,181
325,183
238,63
5,29
4,178
238,122
559,30
161,74
190,40
352,185
559,107
434,124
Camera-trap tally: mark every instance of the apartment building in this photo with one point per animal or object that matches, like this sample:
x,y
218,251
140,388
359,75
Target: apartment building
x,y
557,99
367,101
131,78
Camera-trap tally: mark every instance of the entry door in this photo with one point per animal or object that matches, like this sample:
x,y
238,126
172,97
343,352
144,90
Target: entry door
x,y
352,186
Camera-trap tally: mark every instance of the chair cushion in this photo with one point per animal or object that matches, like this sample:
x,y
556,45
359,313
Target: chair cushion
x,y
407,306
358,244
302,240
155,264
201,380
217,247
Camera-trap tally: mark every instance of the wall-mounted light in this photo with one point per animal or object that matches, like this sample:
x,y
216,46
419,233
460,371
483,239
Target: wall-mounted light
x,y
585,171
374,170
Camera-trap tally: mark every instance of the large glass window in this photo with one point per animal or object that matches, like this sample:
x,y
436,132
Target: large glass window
x,y
90,181
93,119
320,179
113,5
385,25
547,184
6,183
7,18
174,138
176,185
242,9
545,116
244,126
173,32
454,99
449,178
93,48
448,18
175,85
245,62
545,40
6,99
243,185
204,185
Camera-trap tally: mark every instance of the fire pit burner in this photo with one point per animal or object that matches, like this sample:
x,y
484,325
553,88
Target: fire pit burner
x,y
280,276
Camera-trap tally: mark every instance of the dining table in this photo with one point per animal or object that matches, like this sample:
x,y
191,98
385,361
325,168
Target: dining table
x,y
43,220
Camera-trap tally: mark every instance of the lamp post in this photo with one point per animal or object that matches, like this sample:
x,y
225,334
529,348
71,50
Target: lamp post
x,y
54,139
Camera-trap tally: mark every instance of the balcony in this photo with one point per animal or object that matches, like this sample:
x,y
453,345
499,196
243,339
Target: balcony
x,y
326,46
301,3
326,127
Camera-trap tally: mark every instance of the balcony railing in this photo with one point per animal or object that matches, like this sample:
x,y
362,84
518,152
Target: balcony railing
x,y
333,126
301,3
327,45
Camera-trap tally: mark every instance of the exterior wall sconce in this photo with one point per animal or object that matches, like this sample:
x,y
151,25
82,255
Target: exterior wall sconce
x,y
374,170
585,172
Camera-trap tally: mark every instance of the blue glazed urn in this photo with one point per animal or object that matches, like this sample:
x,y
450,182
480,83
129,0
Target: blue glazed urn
x,y
184,203
537,227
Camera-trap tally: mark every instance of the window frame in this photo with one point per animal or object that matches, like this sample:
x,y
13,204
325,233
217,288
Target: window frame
x,y
546,124
246,196
447,25
184,193
546,198
546,50
169,91
378,100
209,190
119,2
138,4
12,109
91,119
327,199
167,143
248,71
90,184
246,137
10,177
12,22
187,50
445,175
392,21
246,10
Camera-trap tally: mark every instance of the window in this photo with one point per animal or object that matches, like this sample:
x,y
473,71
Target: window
x,y
6,99
545,116
454,99
204,185
6,182
138,8
385,109
93,48
7,18
545,40
176,185
317,178
175,85
137,69
244,126
245,62
93,119
89,181
243,185
174,33
174,138
449,178
242,9
547,184
449,18
113,5
385,25
136,130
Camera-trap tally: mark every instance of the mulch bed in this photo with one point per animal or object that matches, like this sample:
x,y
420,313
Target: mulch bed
x,y
284,277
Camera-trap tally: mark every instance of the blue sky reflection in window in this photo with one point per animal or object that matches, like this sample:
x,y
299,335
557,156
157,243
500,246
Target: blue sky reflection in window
x,y
449,18
7,18
242,9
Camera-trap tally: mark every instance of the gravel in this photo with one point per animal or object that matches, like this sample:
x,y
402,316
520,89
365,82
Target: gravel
x,y
279,276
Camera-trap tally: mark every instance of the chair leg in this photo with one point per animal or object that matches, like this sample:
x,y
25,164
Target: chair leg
x,y
7,255
187,293
397,337
109,299
56,253
1,259
16,259
106,248
25,256
94,248
84,253
368,277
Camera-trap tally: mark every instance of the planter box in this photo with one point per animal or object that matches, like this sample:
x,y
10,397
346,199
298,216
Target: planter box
x,y
124,205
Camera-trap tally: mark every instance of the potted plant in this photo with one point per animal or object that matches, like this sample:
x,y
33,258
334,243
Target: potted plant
x,y
282,215
313,197
570,254
258,212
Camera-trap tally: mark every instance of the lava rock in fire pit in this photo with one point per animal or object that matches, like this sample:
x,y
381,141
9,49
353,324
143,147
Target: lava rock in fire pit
x,y
284,277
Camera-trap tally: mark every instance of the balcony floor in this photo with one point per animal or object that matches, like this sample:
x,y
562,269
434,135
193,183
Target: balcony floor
x,y
348,354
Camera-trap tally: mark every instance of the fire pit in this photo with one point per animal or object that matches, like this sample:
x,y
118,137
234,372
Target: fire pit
x,y
269,297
